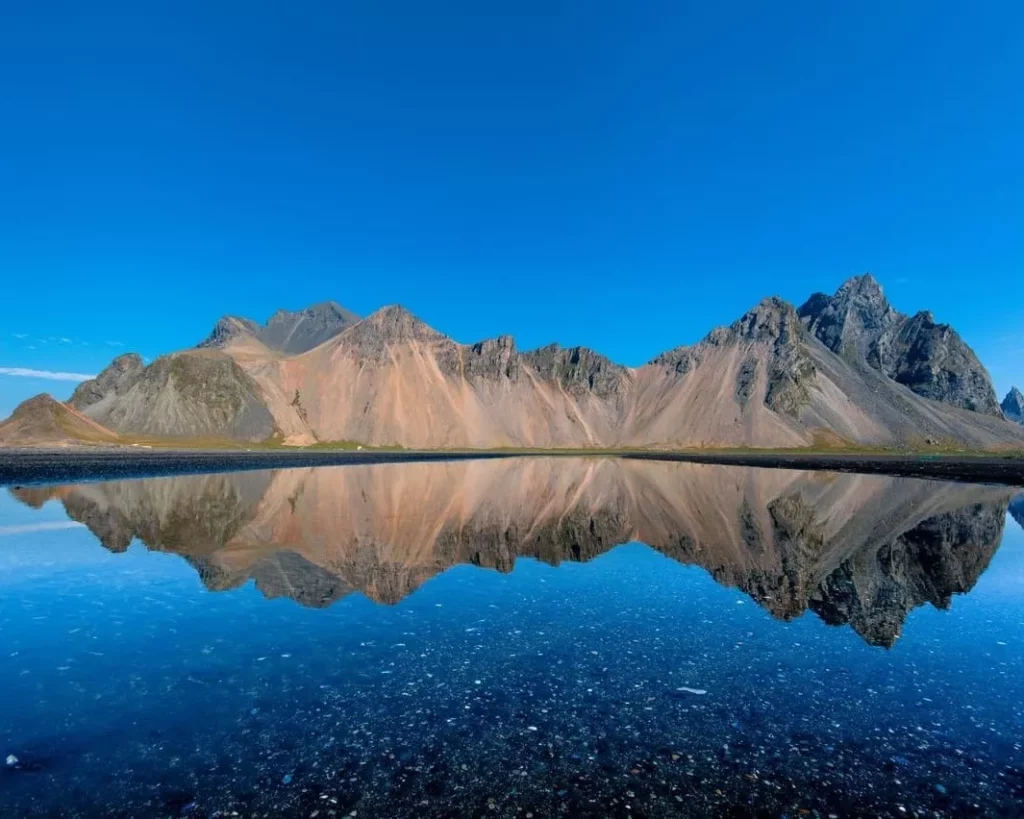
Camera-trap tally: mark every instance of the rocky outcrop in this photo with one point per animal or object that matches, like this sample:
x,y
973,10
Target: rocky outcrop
x,y
790,370
856,550
1013,405
115,380
195,394
579,371
286,332
491,360
933,361
230,328
929,358
849,322
929,563
371,337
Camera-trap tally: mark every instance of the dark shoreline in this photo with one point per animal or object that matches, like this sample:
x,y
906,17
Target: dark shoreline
x,y
964,468
28,468
24,467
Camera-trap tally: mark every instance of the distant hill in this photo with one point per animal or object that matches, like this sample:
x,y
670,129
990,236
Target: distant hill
x,y
843,369
45,421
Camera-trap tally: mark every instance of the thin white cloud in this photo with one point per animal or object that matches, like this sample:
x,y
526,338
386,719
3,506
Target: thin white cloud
x,y
65,340
24,372
20,335
114,344
28,528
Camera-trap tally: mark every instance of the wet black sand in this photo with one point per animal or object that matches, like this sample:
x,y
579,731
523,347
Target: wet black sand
x,y
58,466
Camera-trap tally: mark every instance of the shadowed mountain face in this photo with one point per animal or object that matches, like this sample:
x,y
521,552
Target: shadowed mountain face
x,y
1013,405
856,550
286,331
931,359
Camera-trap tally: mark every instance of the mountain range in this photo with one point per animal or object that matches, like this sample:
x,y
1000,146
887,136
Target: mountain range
x,y
854,549
841,369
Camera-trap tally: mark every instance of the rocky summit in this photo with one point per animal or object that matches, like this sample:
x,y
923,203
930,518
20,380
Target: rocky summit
x,y
1013,405
931,359
285,331
843,369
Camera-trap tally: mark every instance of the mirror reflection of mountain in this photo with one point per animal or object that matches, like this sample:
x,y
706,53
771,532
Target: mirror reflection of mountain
x,y
854,549
1017,509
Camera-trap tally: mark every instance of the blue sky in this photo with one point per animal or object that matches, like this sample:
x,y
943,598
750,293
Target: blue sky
x,y
623,176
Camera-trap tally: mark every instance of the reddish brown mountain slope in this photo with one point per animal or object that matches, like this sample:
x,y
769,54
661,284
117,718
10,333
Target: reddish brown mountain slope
x,y
45,421
846,368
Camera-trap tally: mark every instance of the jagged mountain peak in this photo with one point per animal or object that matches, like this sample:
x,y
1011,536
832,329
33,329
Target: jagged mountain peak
x,y
850,320
126,361
865,286
773,318
228,328
935,362
579,370
286,331
115,380
394,323
326,310
1013,405
929,358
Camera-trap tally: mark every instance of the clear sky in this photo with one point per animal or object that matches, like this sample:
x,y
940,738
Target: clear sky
x,y
619,175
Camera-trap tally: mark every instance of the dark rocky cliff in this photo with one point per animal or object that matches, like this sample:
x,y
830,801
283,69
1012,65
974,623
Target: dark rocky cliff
x,y
1013,405
929,358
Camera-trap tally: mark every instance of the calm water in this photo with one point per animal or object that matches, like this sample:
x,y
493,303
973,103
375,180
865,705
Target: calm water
x,y
507,638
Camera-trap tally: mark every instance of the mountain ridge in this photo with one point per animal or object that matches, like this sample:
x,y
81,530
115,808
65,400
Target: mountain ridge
x,y
842,369
931,359
289,332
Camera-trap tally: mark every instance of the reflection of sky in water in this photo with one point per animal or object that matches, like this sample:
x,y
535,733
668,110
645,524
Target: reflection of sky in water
x,y
553,690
